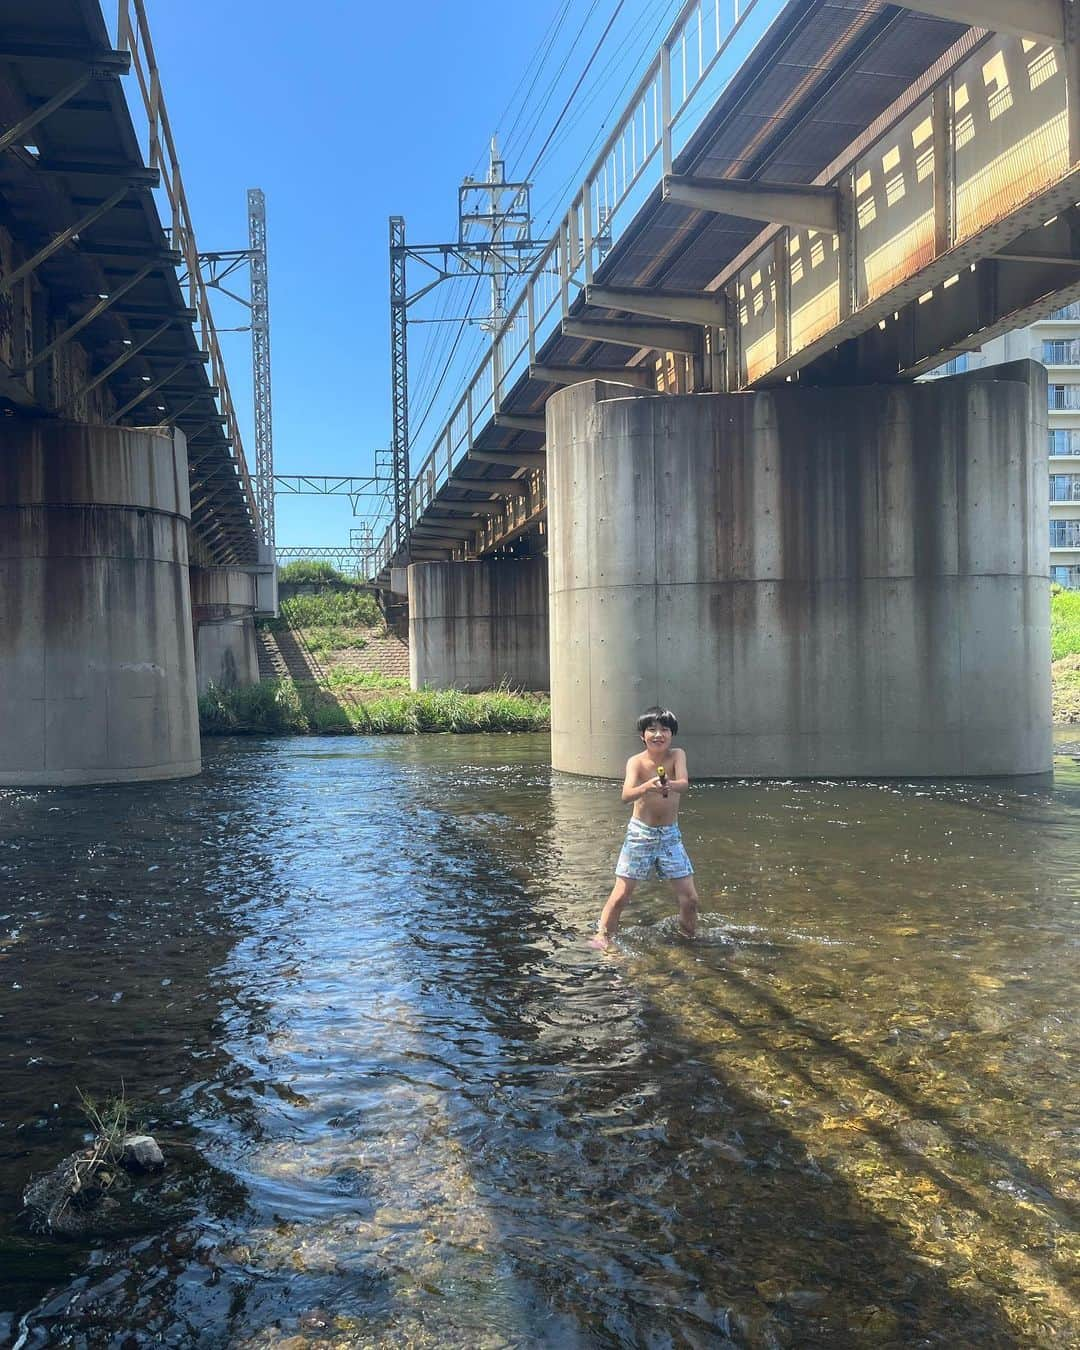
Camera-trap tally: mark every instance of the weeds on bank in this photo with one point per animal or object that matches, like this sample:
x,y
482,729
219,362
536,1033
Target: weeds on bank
x,y
1064,622
285,707
335,609
341,677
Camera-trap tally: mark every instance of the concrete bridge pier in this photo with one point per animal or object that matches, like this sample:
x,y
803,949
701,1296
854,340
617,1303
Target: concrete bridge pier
x,y
820,581
476,625
97,667
224,601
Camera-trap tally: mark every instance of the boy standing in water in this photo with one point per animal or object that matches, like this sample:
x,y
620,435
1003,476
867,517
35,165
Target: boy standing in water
x,y
655,781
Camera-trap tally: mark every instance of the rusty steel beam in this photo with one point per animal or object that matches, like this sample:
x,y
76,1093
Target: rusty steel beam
x,y
524,459
58,241
535,422
628,333
579,374
804,206
706,308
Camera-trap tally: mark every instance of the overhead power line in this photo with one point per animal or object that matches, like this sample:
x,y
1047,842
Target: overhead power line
x,y
573,92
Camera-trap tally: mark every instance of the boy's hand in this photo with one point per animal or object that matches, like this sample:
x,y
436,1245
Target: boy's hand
x,y
654,785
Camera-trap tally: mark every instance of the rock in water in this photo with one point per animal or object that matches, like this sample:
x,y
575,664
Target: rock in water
x,y
141,1151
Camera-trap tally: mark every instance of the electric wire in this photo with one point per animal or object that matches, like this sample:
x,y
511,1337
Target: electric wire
x,y
548,92
462,327
573,92
428,360
556,199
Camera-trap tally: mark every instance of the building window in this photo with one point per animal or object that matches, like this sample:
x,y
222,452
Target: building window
x,y
1065,487
1067,312
1069,577
956,366
1063,397
1065,441
1065,534
1061,351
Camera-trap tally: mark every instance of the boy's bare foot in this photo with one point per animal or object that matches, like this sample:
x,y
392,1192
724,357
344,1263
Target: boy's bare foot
x,y
600,942
686,933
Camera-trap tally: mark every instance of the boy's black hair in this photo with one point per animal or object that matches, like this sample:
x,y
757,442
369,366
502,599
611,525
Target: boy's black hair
x,y
664,716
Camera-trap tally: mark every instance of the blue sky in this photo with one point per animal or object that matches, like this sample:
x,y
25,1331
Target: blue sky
x,y
344,114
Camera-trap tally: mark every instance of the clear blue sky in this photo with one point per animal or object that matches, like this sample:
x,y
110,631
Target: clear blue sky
x,y
346,113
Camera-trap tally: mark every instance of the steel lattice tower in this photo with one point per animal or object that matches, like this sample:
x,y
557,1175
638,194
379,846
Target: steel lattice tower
x,y
260,364
399,381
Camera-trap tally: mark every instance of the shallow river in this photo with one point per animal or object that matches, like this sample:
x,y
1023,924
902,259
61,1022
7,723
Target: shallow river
x,y
346,984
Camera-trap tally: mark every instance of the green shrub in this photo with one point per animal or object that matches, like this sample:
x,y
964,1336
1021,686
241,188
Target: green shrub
x,y
1064,623
304,572
272,707
349,608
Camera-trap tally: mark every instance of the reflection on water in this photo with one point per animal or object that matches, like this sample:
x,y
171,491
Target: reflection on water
x,y
406,1105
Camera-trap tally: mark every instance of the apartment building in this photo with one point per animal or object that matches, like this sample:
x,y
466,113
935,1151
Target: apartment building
x,y
1056,343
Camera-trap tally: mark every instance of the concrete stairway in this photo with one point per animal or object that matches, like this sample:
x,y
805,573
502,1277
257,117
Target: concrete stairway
x,y
283,654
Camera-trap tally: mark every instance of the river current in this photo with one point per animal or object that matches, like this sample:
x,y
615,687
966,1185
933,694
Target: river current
x,y
345,982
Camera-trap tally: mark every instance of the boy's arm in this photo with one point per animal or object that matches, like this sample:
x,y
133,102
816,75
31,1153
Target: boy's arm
x,y
632,790
680,779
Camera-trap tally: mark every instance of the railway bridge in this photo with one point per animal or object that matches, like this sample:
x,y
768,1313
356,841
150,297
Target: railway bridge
x,y
695,466
132,558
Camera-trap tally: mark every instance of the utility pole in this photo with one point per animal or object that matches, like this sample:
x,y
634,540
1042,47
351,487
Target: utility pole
x,y
399,383
260,363
503,211
216,267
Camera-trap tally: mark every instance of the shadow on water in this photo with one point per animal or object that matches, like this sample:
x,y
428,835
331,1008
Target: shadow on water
x,y
426,1113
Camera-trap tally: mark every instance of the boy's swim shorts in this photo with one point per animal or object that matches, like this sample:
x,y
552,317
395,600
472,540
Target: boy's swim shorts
x,y
646,846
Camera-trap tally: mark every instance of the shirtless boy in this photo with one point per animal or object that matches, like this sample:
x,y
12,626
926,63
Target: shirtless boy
x,y
655,782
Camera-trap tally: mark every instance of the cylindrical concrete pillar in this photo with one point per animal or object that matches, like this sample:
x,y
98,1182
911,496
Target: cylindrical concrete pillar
x,y
825,582
223,612
478,625
97,667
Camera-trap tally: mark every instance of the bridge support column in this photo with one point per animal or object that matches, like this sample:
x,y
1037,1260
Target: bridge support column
x,y
223,605
820,582
97,669
476,625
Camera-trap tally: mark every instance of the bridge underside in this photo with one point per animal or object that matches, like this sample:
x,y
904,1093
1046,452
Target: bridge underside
x,y
876,191
95,326
120,461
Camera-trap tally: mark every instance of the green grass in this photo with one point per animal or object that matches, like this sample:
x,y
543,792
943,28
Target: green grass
x,y
341,677
1064,622
284,707
348,608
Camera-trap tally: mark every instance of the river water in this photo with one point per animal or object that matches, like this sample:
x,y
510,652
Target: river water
x,y
346,984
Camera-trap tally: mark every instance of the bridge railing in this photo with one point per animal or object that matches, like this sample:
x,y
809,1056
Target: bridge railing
x,y
133,36
681,82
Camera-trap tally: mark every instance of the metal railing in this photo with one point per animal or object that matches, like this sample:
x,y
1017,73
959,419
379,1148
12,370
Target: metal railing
x,y
1060,352
1065,487
665,109
133,36
1063,398
1070,312
1064,441
1065,534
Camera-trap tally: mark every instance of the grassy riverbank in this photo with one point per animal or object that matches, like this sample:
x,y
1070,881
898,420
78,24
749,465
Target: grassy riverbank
x,y
1065,654
295,708
334,625
341,672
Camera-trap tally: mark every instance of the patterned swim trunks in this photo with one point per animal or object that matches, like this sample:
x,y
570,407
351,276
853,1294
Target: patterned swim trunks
x,y
646,846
